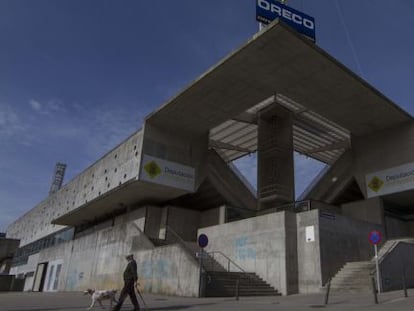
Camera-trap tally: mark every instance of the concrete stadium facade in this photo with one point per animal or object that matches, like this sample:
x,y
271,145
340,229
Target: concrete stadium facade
x,y
173,180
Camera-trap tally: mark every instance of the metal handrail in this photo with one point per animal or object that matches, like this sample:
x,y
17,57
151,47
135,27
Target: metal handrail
x,y
389,251
229,260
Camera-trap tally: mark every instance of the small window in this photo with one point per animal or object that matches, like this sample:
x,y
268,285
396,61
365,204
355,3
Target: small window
x,y
116,156
125,176
115,170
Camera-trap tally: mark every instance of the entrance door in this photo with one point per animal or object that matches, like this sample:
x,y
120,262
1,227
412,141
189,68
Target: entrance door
x,y
53,275
40,275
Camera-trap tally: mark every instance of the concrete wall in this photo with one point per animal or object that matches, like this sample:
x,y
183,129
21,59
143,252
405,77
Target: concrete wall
x,y
398,262
96,259
184,222
153,222
396,228
28,268
343,239
382,150
309,254
370,210
212,217
116,167
7,249
168,270
182,148
257,245
6,282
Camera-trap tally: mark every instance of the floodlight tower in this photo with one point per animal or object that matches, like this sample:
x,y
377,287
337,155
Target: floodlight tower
x,y
58,176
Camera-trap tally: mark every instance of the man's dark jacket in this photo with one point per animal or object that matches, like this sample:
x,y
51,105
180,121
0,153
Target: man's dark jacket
x,y
130,272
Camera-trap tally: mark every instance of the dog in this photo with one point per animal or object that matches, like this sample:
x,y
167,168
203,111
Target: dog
x,y
98,295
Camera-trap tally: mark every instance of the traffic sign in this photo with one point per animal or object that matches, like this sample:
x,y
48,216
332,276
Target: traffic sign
x,y
374,237
202,240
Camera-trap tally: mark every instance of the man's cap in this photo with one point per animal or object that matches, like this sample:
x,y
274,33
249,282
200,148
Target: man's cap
x,y
129,256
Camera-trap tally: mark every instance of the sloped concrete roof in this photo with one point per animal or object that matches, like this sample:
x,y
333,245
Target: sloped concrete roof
x,y
278,62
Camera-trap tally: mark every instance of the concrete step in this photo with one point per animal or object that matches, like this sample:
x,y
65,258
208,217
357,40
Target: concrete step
x,y
351,289
353,277
224,284
347,274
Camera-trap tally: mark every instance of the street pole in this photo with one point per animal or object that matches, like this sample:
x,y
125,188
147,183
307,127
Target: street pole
x,y
377,268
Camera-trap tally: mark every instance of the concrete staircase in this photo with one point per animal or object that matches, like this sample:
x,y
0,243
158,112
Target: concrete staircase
x,y
218,282
354,277
221,283
224,284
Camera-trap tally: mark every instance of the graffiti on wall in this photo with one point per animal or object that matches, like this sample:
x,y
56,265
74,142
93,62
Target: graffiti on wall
x,y
242,249
73,279
157,269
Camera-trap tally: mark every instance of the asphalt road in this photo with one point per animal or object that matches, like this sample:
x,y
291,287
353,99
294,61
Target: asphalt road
x,y
75,301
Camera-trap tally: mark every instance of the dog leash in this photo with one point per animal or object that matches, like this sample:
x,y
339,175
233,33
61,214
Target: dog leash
x,y
142,298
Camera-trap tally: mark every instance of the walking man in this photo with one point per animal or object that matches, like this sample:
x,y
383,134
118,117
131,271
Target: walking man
x,y
130,280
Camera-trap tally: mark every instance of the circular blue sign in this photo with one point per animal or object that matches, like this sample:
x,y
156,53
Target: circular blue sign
x,y
202,240
374,237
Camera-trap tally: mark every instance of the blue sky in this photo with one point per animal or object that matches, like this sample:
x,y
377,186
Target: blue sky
x,y
77,77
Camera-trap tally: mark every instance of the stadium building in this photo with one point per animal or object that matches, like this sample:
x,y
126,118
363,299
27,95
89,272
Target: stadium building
x,y
173,180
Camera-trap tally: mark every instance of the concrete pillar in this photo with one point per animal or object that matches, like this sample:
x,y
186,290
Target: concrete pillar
x,y
275,167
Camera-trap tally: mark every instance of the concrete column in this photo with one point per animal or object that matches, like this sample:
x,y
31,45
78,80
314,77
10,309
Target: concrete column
x,y
275,167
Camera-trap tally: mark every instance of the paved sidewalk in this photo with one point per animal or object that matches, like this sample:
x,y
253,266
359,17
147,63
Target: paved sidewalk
x,y
75,301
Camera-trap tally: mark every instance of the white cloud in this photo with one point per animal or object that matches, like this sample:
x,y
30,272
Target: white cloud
x,y
49,107
35,105
55,105
10,124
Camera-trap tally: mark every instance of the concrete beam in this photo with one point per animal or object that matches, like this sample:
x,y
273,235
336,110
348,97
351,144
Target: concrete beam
x,y
344,144
221,145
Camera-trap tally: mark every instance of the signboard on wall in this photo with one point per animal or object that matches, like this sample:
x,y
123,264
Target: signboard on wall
x,y
392,180
310,234
163,172
269,10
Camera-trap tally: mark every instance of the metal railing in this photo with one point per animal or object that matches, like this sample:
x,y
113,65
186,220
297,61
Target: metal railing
x,y
228,259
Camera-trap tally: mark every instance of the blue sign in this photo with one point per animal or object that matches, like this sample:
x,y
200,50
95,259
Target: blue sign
x,y
202,240
268,10
374,237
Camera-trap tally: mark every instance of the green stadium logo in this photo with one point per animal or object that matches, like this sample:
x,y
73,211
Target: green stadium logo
x,y
152,169
375,184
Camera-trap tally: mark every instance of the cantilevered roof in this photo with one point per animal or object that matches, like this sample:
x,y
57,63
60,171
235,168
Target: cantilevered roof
x,y
117,200
278,66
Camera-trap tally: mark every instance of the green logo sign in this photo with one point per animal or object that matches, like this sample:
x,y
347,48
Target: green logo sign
x,y
152,169
375,184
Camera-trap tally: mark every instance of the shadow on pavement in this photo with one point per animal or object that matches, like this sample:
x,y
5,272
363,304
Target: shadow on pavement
x,y
179,307
48,309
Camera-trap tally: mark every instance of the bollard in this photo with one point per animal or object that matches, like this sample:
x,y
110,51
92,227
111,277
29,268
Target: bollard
x,y
328,288
404,286
374,290
237,288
